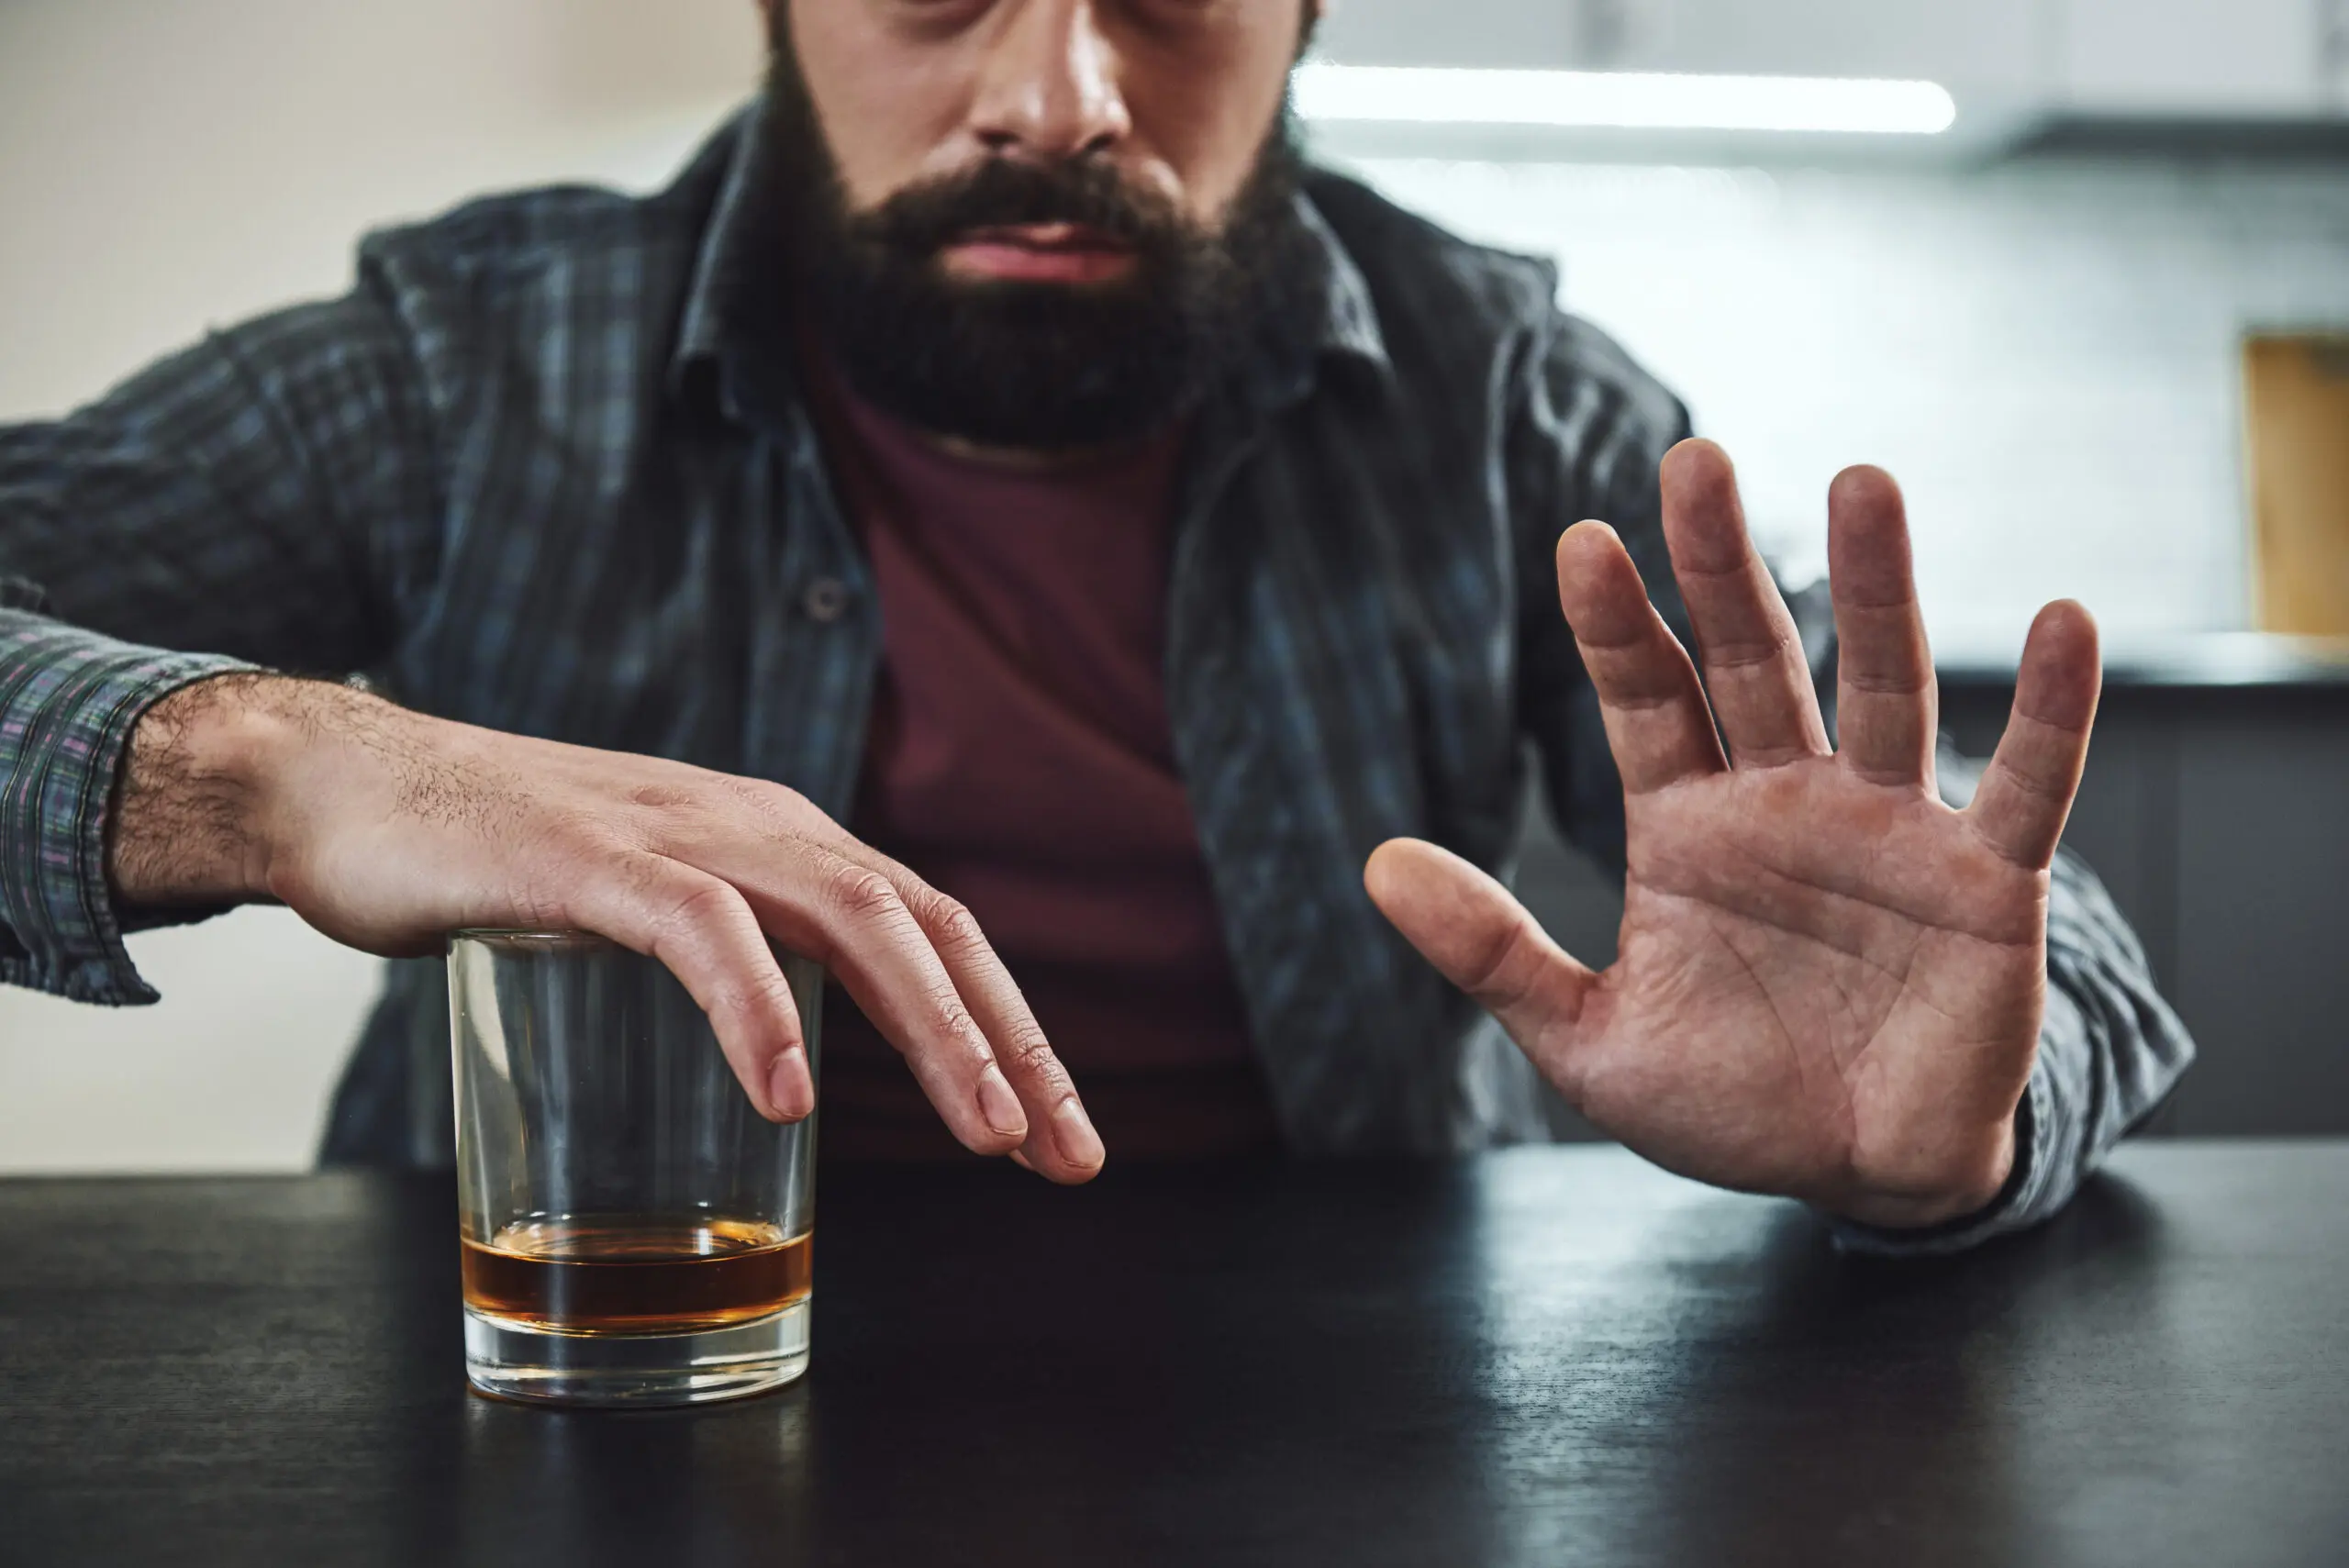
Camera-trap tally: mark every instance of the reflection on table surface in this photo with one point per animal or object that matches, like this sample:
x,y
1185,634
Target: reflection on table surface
x,y
1543,1356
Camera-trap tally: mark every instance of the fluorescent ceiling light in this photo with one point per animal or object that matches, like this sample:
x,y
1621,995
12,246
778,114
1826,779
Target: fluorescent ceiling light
x,y
1622,100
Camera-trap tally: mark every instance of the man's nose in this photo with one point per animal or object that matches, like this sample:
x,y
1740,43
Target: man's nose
x,y
1050,85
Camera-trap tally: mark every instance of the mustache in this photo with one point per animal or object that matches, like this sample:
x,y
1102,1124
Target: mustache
x,y
1001,192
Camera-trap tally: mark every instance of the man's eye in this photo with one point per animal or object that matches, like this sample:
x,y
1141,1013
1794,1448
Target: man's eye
x,y
1182,13
942,13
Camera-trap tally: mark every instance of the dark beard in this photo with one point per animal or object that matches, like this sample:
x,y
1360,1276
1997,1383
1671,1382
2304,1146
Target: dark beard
x,y
1030,365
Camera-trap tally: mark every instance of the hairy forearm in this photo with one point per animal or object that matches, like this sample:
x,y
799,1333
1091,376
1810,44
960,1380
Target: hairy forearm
x,y
185,826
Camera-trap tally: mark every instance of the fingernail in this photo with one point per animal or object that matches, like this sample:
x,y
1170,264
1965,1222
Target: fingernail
x,y
790,1090
1074,1136
1000,1105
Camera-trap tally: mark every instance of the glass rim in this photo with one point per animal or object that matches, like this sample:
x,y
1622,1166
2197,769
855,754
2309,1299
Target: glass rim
x,y
532,936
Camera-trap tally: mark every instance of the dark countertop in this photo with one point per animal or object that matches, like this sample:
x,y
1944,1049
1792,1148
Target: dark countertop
x,y
1541,1356
2204,660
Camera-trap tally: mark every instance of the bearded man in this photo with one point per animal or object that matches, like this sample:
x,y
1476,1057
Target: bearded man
x,y
1005,526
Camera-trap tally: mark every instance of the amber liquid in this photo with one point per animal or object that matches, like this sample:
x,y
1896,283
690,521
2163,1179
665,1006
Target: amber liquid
x,y
637,1275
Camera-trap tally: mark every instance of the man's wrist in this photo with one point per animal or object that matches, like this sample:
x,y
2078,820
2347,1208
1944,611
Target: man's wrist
x,y
1969,1192
193,801
2022,1202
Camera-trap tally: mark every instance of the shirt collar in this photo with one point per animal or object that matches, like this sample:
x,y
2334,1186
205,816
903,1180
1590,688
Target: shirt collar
x,y
733,320
717,327
1347,321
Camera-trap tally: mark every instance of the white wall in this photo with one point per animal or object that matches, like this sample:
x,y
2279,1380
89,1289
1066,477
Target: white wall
x,y
1996,45
2130,56
2047,353
167,165
2215,56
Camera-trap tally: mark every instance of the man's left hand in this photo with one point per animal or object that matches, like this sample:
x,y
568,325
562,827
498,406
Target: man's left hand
x,y
1830,984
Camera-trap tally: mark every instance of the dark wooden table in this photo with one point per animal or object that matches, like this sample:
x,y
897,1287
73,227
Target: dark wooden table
x,y
1543,1357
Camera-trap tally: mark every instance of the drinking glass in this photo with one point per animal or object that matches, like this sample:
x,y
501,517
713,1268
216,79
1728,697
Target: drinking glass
x,y
633,1232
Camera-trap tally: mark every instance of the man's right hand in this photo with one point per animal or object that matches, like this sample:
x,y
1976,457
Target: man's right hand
x,y
386,829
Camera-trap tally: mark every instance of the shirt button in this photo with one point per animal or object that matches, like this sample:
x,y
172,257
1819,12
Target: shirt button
x,y
824,601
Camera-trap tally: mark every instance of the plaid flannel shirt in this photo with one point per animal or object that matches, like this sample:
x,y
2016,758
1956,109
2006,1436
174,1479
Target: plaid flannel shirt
x,y
545,470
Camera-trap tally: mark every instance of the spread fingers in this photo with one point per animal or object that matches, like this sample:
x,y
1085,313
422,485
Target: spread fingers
x,y
1657,723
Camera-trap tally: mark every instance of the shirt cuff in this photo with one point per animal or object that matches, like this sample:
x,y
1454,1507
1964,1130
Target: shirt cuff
x,y
69,700
2034,1190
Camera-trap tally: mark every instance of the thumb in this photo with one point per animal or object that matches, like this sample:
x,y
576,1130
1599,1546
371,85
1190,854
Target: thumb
x,y
1469,926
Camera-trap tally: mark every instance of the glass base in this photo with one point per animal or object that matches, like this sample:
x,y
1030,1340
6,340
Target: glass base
x,y
524,1360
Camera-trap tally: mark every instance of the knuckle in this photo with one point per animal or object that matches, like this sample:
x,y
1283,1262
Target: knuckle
x,y
2022,786
687,902
940,1021
570,841
662,797
1028,1055
2037,785
1736,655
758,1002
647,896
764,797
632,876
1495,975
670,816
1886,680
954,1023
864,895
949,1020
561,865
953,925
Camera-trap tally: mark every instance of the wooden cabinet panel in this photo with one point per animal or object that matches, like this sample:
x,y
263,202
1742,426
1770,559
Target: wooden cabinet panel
x,y
2296,417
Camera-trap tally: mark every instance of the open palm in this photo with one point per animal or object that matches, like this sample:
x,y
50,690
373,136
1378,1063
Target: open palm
x,y
1830,984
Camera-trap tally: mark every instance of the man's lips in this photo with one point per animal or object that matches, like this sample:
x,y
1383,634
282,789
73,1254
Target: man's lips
x,y
1039,252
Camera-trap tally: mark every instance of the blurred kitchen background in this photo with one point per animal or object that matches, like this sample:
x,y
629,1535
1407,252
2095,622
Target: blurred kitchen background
x,y
2078,271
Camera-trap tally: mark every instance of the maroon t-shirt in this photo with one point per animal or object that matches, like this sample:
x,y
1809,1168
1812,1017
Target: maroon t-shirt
x,y
1021,760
